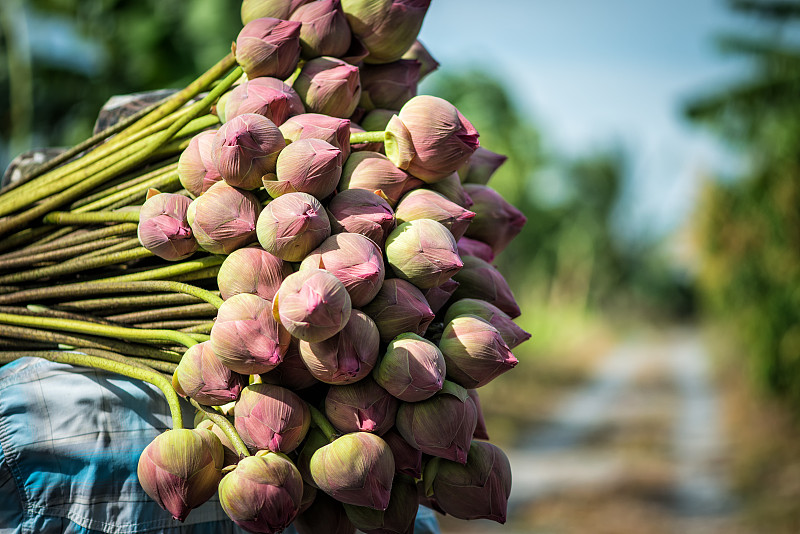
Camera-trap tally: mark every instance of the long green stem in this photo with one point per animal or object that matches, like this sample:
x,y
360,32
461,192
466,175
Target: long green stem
x,y
179,325
76,266
222,422
178,312
76,239
321,422
140,189
123,245
125,182
59,254
66,217
357,138
184,267
117,302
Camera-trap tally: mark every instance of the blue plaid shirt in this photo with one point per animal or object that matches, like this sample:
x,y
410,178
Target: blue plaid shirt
x,y
70,440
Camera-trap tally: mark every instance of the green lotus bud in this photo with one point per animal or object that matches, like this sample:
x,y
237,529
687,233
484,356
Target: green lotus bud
x,y
407,459
245,148
202,376
196,169
315,439
357,469
438,296
246,337
325,515
398,518
269,97
223,218
374,172
425,204
361,406
268,47
512,334
324,31
271,417
399,307
180,469
421,54
310,166
291,373
423,252
450,187
359,211
389,86
252,270
276,9
313,305
262,494
387,27
163,228
334,130
230,456
479,280
412,369
329,86
293,225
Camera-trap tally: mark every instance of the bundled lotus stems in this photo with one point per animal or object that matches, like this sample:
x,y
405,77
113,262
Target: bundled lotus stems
x,y
305,246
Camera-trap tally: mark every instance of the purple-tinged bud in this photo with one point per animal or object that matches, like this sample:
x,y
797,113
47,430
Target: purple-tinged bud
x,y
329,86
292,372
325,31
346,357
223,218
430,138
407,459
202,376
246,337
413,368
293,225
325,515
438,296
387,27
310,166
441,425
497,222
427,63
315,439
252,270
309,496
425,204
359,211
450,188
268,47
474,351
334,130
355,260
399,307
362,406
357,469
423,252
389,86
245,148
480,427
374,172
376,120
230,456
269,97
512,334
477,490
271,417
479,280
480,166
376,146
277,9
196,169
313,305
398,518
180,469
262,494
473,247
163,228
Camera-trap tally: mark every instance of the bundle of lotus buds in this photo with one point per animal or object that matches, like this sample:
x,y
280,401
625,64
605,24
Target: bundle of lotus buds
x,y
304,246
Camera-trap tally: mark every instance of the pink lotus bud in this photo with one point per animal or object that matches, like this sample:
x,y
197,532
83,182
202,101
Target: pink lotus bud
x,y
271,417
329,86
246,337
474,351
412,369
230,456
277,9
291,373
389,86
325,31
430,138
423,252
438,296
473,247
356,468
387,27
497,222
360,211
252,270
398,518
293,225
399,307
512,334
376,146
346,357
223,218
202,376
262,494
480,166
425,204
180,469
421,54
245,148
268,47
310,166
407,459
362,406
441,425
196,169
269,97
325,515
374,172
450,188
479,280
313,305
480,427
163,228
477,490
355,260
315,126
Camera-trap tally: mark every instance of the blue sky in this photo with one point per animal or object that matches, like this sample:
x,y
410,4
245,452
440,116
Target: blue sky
x,y
595,73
